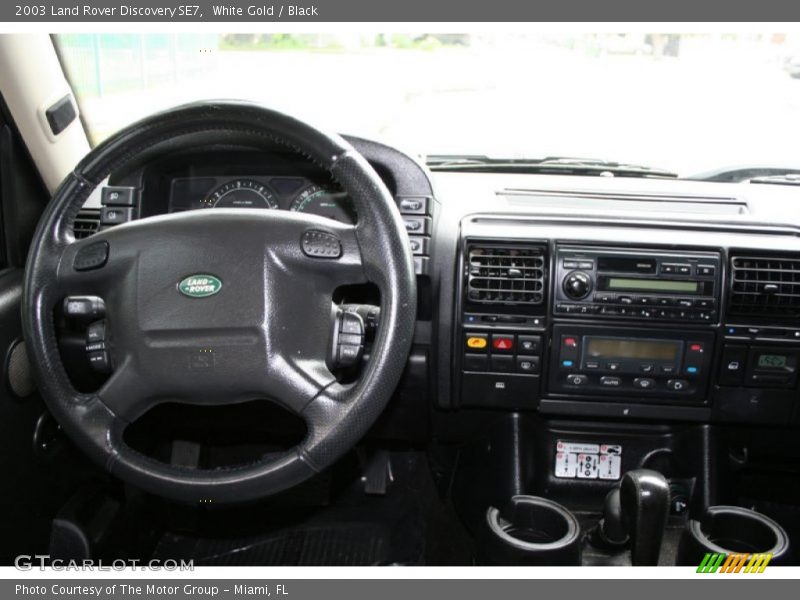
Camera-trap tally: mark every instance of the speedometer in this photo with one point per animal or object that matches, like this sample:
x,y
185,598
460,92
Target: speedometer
x,y
241,193
324,202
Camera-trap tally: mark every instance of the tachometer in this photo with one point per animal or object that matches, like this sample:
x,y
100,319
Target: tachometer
x,y
241,193
324,202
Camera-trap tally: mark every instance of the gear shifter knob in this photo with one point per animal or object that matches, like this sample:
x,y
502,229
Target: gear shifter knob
x,y
644,497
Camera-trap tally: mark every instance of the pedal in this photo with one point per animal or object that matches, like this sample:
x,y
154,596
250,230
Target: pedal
x,y
378,474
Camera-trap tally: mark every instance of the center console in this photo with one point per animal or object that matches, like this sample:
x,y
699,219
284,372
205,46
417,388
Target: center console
x,y
626,330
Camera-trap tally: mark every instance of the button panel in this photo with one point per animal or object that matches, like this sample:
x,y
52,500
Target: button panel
x,y
417,214
502,352
627,362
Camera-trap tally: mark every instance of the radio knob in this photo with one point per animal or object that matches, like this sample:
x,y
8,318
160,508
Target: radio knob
x,y
577,285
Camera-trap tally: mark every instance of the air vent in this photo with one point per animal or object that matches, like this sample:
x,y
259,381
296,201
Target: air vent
x,y
765,286
86,223
509,275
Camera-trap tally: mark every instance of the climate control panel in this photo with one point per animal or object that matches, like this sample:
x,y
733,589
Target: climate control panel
x,y
621,361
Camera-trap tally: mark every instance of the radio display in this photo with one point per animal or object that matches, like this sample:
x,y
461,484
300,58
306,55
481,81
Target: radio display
x,y
666,350
653,285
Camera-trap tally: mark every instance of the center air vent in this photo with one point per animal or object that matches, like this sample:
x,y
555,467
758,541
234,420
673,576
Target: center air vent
x,y
765,286
86,223
506,274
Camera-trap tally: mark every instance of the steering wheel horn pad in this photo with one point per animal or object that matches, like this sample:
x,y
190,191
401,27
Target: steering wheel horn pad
x,y
262,333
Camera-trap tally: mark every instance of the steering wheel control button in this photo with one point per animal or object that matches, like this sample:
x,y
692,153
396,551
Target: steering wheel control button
x,y
503,343
321,244
349,337
84,307
118,196
115,215
348,355
477,342
351,322
99,361
91,256
96,332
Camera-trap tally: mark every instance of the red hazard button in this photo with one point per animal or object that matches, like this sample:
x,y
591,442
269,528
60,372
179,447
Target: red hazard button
x,y
503,343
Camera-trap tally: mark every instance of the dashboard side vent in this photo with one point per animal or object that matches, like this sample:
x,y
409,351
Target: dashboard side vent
x,y
765,286
86,223
505,274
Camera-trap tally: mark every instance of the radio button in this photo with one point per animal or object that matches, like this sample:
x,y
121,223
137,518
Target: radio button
x,y
613,366
667,369
706,270
704,303
685,302
624,300
592,365
664,301
604,298
668,268
646,368
570,264
577,379
683,269
527,364
645,300
588,264
610,381
644,383
678,385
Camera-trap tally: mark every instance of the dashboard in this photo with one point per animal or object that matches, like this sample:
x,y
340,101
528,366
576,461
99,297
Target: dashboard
x,y
624,299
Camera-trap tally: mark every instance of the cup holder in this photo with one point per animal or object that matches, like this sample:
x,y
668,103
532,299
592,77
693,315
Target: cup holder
x,y
531,531
731,529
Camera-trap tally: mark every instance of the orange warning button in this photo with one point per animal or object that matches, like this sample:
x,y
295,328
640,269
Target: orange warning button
x,y
475,342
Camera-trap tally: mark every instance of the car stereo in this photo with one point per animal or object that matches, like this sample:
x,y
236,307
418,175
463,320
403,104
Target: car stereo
x,y
638,284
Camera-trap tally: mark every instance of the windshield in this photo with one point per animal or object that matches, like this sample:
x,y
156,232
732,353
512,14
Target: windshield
x,y
687,103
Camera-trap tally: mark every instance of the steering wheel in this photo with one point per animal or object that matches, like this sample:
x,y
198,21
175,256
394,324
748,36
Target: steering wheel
x,y
266,331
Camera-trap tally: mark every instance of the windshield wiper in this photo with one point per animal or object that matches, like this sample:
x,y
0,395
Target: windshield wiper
x,y
557,165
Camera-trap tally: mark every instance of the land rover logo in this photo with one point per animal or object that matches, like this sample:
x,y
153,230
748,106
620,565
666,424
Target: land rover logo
x,y
200,286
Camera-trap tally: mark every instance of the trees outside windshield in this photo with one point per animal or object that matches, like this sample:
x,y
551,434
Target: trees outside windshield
x,y
687,103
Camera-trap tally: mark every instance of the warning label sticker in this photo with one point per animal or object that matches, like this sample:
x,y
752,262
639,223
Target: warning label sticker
x,y
578,460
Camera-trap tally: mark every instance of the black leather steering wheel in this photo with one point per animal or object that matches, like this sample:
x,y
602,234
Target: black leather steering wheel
x,y
267,331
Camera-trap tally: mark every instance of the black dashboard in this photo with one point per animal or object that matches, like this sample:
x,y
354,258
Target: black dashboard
x,y
574,296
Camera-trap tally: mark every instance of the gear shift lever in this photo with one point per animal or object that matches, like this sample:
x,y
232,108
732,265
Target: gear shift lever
x,y
644,499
